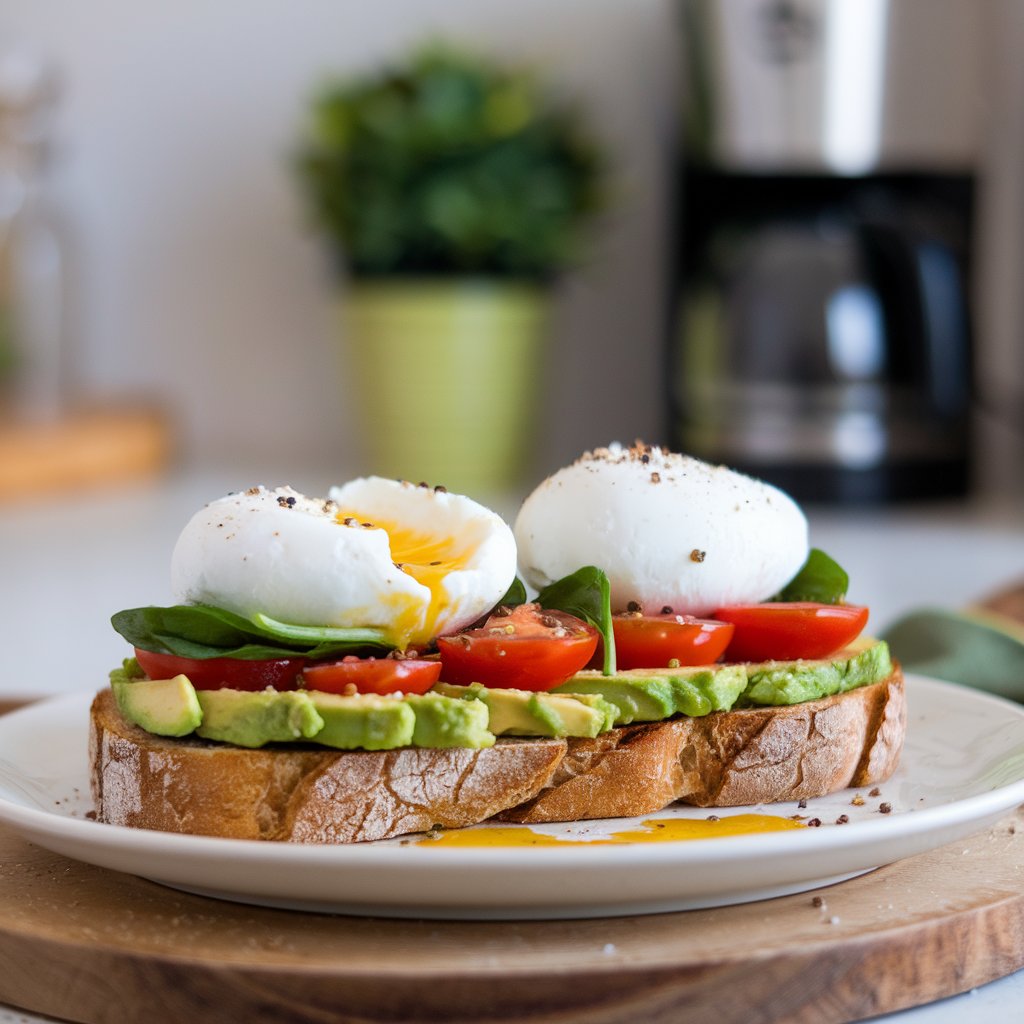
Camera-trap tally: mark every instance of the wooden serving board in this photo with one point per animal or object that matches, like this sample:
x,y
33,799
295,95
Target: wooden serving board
x,y
88,944
88,448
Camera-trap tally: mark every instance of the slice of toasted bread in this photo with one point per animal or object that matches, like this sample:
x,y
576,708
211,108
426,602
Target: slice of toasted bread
x,y
302,793
729,759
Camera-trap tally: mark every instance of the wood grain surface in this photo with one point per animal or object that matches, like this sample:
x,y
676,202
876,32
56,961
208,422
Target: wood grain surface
x,y
87,944
88,448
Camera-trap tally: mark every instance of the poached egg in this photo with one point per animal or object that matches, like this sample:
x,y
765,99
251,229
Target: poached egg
x,y
667,529
414,561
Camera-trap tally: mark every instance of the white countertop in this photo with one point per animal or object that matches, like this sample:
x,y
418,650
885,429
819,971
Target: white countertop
x,y
68,564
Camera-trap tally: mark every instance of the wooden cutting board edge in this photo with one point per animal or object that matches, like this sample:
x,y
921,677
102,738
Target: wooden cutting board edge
x,y
959,924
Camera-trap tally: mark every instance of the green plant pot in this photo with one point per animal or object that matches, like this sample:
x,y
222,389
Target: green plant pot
x,y
445,373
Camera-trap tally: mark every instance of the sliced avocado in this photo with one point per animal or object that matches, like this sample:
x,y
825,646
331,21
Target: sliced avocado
x,y
470,716
779,683
252,719
526,713
165,707
649,695
366,721
609,712
130,669
448,722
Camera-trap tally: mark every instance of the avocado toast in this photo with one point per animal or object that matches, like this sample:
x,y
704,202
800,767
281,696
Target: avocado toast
x,y
370,665
263,767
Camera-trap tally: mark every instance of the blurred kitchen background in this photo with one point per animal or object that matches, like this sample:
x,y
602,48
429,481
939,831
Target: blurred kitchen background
x,y
197,283
794,241
844,171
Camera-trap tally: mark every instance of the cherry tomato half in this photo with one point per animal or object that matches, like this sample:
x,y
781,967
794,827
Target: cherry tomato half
x,y
652,641
373,675
526,648
223,673
777,631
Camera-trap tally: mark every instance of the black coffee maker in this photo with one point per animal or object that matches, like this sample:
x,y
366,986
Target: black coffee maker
x,y
822,334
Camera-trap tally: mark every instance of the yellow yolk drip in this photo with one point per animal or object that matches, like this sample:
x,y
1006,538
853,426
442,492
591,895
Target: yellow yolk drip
x,y
653,830
428,559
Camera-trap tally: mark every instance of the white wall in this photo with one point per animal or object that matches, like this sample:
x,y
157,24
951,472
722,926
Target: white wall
x,y
198,283
196,279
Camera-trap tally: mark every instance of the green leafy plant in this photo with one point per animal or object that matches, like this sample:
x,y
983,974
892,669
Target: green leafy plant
x,y
449,164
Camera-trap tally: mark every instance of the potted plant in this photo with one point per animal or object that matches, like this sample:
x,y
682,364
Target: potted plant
x,y
452,190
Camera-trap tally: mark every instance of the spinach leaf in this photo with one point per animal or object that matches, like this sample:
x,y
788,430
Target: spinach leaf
x,y
587,595
515,595
821,579
202,625
203,631
319,634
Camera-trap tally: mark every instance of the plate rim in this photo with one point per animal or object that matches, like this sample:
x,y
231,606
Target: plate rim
x,y
914,822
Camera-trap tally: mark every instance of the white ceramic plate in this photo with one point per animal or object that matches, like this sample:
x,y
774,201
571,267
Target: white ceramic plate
x,y
962,769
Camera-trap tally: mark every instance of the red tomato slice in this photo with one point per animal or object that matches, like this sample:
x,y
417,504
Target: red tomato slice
x,y
373,675
653,641
224,673
787,631
527,648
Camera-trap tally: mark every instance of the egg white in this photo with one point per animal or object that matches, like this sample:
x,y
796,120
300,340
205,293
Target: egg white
x,y
667,529
352,560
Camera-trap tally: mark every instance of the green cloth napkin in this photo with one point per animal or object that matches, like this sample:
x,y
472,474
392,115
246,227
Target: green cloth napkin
x,y
974,647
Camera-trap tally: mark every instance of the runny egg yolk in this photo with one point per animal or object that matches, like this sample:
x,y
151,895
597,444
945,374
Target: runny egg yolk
x,y
428,559
653,830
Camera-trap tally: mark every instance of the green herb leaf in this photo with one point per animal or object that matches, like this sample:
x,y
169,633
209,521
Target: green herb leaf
x,y
204,631
515,595
587,595
320,634
821,579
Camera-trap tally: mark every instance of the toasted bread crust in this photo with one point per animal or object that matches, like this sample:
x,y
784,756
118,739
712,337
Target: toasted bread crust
x,y
298,793
729,759
306,794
